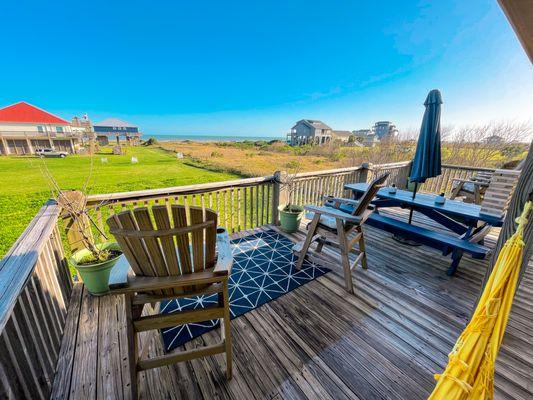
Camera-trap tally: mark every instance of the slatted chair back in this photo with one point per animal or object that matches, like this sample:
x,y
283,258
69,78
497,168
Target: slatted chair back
x,y
370,193
482,176
166,241
499,193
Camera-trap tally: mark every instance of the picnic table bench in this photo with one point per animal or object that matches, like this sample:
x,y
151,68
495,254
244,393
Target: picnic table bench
x,y
440,241
461,219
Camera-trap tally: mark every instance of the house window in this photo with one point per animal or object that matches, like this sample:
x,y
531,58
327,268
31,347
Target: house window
x,y
59,129
40,129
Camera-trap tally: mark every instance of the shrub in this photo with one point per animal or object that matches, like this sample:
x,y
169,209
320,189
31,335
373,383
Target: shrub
x,y
150,142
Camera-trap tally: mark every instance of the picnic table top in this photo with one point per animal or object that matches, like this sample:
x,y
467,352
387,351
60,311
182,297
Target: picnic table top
x,y
423,200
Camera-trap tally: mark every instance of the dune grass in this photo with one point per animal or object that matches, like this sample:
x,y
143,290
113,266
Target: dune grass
x,y
23,189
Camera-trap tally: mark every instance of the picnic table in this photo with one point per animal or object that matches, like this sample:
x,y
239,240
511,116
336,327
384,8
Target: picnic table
x,y
462,222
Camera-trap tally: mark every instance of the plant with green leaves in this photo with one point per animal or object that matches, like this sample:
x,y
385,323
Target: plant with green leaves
x,y
290,213
93,261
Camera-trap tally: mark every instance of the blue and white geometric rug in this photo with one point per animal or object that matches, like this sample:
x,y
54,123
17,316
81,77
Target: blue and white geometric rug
x,y
263,270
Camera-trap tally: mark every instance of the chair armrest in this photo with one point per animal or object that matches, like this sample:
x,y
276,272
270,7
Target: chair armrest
x,y
481,182
475,183
148,283
225,257
471,180
333,212
342,200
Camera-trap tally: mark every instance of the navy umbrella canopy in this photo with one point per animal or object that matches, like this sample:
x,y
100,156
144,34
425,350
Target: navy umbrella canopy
x,y
427,161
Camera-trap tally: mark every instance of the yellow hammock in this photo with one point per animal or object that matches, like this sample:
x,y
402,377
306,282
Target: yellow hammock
x,y
470,370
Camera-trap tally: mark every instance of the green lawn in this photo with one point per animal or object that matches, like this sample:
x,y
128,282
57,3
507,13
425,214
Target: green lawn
x,y
23,189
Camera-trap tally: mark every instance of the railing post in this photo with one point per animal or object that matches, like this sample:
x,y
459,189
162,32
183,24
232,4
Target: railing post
x,y
279,194
75,228
365,169
403,176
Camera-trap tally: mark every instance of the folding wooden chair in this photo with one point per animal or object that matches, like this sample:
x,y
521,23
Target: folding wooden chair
x,y
181,256
335,222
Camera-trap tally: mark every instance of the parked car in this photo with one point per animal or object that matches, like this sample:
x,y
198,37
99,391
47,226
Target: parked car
x,y
50,153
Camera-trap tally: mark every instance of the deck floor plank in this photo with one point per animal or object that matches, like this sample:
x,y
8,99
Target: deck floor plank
x,y
109,384
84,370
317,342
65,362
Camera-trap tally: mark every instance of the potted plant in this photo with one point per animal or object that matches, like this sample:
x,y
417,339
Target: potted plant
x,y
92,261
290,215
94,266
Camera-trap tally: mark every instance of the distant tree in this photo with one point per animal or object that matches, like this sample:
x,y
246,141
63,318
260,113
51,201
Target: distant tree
x,y
512,150
468,145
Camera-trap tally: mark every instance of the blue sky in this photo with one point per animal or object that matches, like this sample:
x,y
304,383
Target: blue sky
x,y
254,68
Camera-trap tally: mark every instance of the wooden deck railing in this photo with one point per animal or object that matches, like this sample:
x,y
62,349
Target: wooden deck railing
x,y
35,287
398,173
443,182
249,203
241,204
310,187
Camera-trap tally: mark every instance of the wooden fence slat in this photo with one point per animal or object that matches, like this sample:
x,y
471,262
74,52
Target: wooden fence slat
x,y
251,207
31,334
13,365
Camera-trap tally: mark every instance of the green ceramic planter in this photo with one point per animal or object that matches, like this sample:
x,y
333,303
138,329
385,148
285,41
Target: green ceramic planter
x,y
95,276
290,220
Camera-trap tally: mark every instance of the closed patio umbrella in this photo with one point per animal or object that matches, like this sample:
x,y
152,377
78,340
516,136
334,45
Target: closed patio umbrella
x,y
469,374
427,161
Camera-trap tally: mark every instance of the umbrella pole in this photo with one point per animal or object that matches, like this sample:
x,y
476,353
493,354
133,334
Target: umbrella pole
x,y
402,239
411,212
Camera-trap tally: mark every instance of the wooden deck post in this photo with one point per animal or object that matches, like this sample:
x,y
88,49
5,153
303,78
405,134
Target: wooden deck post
x,y
365,169
72,227
403,176
279,194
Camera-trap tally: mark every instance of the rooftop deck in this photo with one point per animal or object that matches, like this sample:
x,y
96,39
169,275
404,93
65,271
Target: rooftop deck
x,y
316,342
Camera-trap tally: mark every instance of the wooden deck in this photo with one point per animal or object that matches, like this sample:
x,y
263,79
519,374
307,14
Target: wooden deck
x,y
316,342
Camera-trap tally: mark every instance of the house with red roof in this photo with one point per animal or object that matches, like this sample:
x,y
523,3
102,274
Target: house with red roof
x,y
24,128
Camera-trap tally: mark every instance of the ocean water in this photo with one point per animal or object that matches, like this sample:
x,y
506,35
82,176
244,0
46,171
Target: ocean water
x,y
211,138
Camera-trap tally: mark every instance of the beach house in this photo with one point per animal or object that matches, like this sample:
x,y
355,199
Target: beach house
x,y
342,136
117,129
25,128
310,131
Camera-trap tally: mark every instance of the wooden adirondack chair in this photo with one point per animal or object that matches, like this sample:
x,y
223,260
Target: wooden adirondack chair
x,y
335,222
496,199
180,256
472,189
